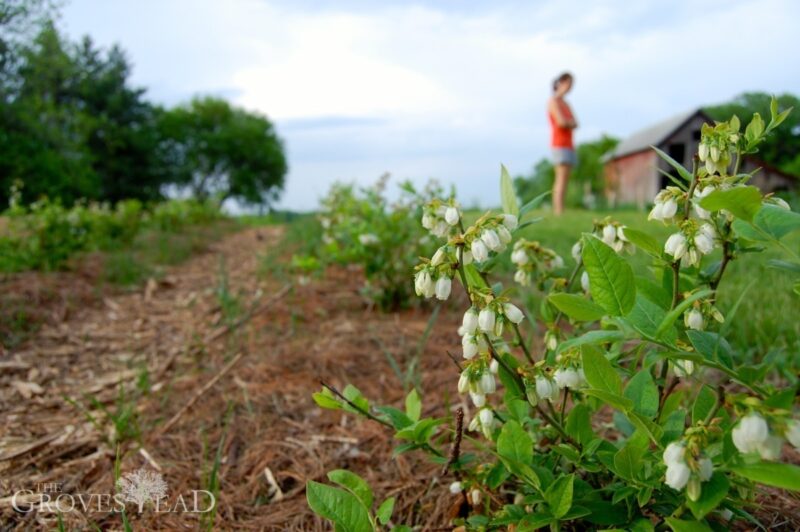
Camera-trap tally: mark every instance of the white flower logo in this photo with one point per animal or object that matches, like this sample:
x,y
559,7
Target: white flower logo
x,y
141,486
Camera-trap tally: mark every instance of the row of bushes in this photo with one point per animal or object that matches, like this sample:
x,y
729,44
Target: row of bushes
x,y
45,234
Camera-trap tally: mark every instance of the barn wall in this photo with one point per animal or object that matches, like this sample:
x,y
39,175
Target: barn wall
x,y
632,179
768,180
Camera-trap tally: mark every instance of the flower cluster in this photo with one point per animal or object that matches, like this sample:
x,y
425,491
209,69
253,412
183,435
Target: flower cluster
x,y
696,316
752,435
487,235
716,145
691,242
686,470
534,262
665,205
440,217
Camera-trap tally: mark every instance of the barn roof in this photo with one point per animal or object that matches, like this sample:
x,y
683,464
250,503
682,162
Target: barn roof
x,y
653,135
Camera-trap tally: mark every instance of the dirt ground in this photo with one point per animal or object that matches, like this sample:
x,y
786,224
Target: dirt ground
x,y
195,383
205,384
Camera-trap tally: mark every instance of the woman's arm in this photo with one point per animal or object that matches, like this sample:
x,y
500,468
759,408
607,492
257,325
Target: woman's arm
x,y
559,116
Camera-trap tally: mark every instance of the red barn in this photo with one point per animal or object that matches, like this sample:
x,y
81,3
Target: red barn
x,y
632,170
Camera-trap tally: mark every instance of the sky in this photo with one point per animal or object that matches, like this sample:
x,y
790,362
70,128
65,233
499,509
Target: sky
x,y
449,89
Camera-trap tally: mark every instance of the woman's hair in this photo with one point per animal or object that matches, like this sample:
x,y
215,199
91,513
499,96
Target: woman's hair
x,y
564,76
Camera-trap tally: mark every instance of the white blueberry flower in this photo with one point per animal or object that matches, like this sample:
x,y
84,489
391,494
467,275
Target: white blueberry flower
x,y
684,368
678,474
499,323
519,257
694,488
750,433
546,389
478,399
443,286
551,340
487,383
463,382
793,433
726,514
676,245
704,239
513,313
621,233
706,469
664,208
770,449
567,378
504,234
475,496
510,221
439,257
368,239
456,488
428,220
693,319
674,452
576,251
469,346
423,284
618,246
494,366
486,421
486,320
469,322
702,152
451,215
522,277
557,262
479,250
609,234
492,241
464,256
699,194
585,281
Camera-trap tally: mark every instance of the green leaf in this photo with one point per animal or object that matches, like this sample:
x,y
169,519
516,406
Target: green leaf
x,y
713,492
643,241
559,496
395,416
339,506
413,405
600,373
508,196
628,460
610,277
683,172
591,338
648,427
679,525
784,476
354,483
326,400
612,399
712,346
642,391
515,444
776,222
742,202
777,264
647,317
703,403
576,307
579,424
385,510
354,396
533,204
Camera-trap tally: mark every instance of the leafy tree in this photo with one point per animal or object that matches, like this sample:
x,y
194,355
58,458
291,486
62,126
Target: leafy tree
x,y
226,152
782,148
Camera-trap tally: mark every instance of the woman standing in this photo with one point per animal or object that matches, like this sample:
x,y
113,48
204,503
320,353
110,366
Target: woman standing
x,y
562,122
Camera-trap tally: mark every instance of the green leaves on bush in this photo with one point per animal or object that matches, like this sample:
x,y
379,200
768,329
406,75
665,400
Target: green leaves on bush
x,y
610,277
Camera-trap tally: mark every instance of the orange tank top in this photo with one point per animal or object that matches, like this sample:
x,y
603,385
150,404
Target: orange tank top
x,y
561,136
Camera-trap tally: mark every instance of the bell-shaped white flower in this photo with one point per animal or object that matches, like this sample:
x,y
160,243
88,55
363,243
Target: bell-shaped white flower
x,y
693,319
770,449
750,433
674,452
546,389
513,313
676,245
585,281
469,346
487,383
463,382
486,319
702,152
504,234
478,399
439,257
479,250
669,209
793,433
704,241
464,256
492,241
621,233
522,277
557,262
423,284
684,368
678,474
576,251
443,286
494,366
470,320
475,497
706,469
510,221
451,215
699,194
519,257
609,234
456,488
567,378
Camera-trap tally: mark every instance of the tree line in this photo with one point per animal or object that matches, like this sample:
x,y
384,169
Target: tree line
x,y
72,126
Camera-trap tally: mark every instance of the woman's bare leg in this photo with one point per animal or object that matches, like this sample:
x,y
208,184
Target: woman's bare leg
x,y
560,187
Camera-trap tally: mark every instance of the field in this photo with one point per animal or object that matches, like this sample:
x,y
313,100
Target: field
x,y
206,374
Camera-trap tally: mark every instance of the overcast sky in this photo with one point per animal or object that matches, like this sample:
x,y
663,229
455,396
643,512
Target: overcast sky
x,y
446,89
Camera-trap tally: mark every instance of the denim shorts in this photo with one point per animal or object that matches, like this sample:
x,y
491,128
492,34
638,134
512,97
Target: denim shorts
x,y
564,156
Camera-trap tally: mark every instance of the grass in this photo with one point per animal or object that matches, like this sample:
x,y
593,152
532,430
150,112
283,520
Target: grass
x,y
765,323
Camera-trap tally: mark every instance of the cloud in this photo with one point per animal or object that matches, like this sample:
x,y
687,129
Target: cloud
x,y
447,89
